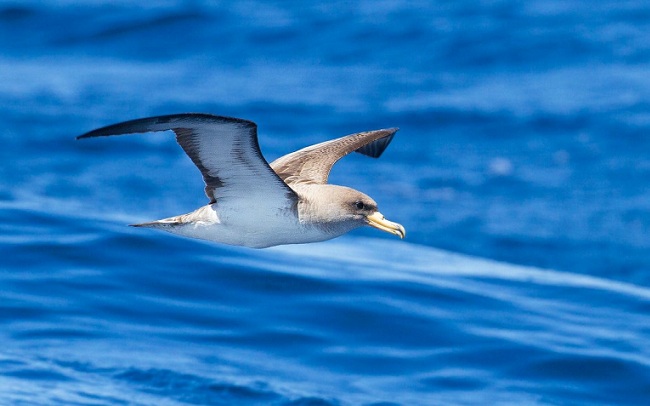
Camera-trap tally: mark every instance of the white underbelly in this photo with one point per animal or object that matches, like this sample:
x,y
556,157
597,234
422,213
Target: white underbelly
x,y
262,232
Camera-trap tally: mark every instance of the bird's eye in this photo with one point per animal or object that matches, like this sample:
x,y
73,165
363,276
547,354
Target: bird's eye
x,y
359,205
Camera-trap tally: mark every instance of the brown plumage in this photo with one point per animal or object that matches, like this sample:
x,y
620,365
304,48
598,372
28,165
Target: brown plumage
x,y
256,204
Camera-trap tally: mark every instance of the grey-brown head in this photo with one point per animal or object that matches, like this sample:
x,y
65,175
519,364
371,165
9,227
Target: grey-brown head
x,y
343,209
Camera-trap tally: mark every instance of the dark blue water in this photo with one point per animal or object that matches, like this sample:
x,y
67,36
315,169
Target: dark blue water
x,y
520,172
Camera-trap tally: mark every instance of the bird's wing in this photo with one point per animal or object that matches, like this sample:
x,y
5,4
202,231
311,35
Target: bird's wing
x,y
224,149
313,164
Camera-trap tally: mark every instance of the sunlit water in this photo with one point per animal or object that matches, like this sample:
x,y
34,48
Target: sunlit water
x,y
520,173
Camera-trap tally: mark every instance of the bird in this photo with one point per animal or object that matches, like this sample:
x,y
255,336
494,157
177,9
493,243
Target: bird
x,y
256,204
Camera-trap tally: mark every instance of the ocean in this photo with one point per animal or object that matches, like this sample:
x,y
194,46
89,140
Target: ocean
x,y
520,173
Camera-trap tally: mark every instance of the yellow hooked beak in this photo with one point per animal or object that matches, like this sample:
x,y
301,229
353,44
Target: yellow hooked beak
x,y
377,220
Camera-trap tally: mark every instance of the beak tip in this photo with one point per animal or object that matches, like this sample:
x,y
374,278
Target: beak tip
x,y
377,220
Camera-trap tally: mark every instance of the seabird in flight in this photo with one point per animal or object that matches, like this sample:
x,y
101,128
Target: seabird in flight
x,y
258,205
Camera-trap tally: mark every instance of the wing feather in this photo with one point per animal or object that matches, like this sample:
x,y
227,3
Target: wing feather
x,y
225,150
313,164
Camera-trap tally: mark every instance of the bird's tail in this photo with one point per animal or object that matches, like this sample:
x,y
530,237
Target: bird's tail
x,y
164,223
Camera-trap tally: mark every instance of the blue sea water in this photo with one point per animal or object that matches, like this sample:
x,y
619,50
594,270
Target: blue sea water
x,y
520,172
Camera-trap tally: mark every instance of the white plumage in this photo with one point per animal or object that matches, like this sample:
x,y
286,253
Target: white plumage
x,y
255,204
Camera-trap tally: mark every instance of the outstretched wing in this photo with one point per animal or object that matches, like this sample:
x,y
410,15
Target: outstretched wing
x,y
313,164
224,149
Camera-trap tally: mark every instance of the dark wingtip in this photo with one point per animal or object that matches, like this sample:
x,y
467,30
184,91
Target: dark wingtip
x,y
85,135
104,131
377,147
160,123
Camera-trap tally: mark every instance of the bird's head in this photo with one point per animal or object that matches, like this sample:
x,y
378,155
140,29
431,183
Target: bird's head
x,y
341,205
